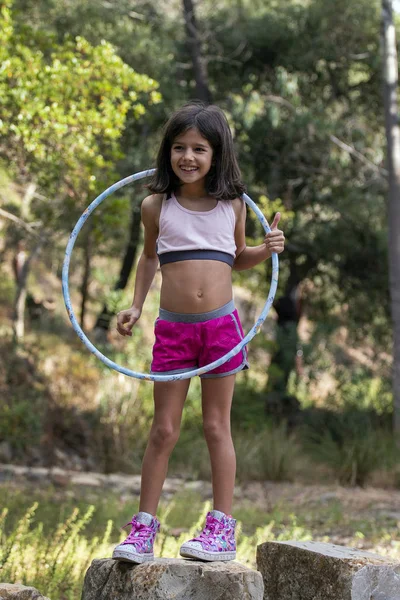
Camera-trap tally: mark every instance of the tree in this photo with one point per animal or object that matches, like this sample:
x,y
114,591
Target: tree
x,y
390,81
199,66
63,114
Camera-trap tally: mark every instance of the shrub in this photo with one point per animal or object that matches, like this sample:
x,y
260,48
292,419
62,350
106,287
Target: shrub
x,y
348,442
270,454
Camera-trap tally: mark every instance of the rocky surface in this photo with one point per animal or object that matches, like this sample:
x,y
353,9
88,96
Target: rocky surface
x,y
164,579
11,591
117,482
126,486
320,571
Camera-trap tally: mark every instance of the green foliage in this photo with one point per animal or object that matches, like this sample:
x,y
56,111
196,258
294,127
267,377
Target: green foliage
x,y
350,442
63,115
290,76
55,567
20,424
270,455
7,290
45,533
353,455
248,410
360,389
56,563
296,79
22,401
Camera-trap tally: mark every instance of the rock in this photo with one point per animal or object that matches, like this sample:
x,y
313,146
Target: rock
x,y
201,487
59,477
318,571
378,583
87,479
37,474
392,515
15,591
166,578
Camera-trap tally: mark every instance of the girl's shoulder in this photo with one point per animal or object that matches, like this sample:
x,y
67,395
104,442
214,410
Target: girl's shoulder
x,y
153,203
239,207
151,208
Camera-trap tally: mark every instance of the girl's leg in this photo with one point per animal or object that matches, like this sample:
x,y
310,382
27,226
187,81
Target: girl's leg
x,y
169,398
216,404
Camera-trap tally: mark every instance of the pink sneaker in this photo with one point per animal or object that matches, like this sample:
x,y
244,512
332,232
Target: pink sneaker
x,y
216,541
138,546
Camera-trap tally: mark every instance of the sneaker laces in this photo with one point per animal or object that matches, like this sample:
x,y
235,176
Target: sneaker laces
x,y
139,532
213,526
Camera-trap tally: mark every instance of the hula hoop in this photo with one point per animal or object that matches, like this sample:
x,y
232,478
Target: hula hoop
x,y
150,376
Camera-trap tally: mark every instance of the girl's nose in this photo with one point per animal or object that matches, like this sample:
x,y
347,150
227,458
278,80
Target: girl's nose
x,y
188,153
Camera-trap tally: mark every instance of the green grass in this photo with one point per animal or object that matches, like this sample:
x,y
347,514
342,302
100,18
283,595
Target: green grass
x,y
50,536
50,546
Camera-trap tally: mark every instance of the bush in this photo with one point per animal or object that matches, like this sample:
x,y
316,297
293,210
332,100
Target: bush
x,y
349,442
56,567
20,425
248,406
270,454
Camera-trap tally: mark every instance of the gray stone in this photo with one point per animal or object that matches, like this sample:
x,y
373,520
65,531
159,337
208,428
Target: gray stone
x,y
15,591
165,578
318,571
87,479
377,583
392,515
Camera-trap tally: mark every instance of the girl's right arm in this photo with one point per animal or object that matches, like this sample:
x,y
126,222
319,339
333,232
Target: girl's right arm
x,y
147,265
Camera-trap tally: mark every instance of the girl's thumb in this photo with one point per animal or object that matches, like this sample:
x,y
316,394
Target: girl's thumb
x,y
276,220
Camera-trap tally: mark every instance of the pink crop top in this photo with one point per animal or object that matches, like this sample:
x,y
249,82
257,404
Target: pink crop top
x,y
191,235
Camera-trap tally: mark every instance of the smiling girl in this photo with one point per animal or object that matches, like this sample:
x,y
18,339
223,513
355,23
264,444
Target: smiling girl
x,y
194,226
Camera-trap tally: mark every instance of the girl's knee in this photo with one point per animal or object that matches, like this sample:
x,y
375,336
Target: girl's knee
x,y
164,436
216,431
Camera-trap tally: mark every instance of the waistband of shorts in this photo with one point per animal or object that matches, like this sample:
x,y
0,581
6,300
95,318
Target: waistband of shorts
x,y
174,317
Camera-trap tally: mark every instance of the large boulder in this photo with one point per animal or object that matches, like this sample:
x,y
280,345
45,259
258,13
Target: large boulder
x,y
318,571
165,578
15,591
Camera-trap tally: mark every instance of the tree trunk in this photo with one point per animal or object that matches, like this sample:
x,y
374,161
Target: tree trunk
x,y
390,79
131,249
21,265
199,67
87,254
103,320
288,308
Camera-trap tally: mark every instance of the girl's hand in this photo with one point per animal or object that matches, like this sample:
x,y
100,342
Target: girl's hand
x,y
126,320
275,240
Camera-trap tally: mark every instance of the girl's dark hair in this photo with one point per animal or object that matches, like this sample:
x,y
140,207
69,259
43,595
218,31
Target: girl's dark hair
x,y
223,181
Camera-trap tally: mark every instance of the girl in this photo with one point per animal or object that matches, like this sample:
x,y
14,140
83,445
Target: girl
x,y
194,225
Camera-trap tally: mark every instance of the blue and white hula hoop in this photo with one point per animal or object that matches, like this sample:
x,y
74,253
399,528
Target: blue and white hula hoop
x,y
150,376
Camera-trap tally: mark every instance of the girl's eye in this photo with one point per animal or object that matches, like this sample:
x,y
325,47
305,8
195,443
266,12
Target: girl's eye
x,y
199,149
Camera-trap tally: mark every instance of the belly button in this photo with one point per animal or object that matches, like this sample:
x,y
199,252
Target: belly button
x,y
199,294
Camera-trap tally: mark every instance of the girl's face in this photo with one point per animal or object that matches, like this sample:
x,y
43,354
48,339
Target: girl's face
x,y
191,157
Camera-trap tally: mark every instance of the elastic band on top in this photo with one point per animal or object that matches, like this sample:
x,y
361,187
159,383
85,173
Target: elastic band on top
x,y
178,255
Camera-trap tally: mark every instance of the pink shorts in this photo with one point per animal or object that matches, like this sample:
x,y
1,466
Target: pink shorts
x,y
185,342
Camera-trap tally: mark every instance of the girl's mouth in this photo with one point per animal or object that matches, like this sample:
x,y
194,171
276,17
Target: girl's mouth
x,y
189,169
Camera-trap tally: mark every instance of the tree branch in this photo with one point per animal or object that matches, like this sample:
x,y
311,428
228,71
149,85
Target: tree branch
x,y
7,215
334,139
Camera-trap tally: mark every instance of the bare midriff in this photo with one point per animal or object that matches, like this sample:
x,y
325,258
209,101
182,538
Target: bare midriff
x,y
195,286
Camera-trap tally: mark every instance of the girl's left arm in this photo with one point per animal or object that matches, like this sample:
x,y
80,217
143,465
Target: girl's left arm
x,y
248,257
